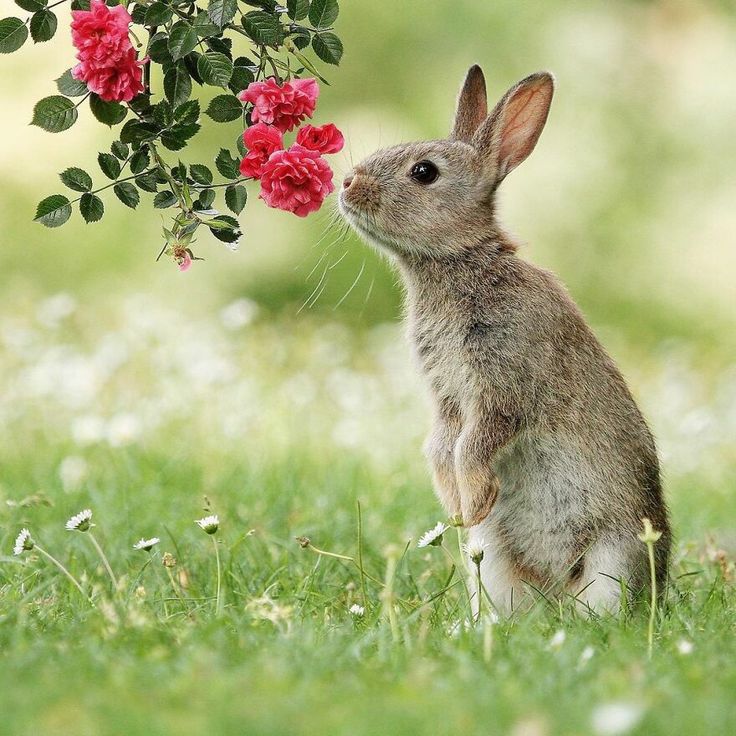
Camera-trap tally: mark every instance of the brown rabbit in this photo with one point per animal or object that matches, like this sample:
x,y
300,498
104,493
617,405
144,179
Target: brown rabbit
x,y
537,442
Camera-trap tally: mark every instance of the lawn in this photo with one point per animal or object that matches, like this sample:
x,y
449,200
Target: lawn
x,y
292,427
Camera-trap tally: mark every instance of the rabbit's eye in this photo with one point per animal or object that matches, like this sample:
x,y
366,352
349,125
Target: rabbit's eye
x,y
425,172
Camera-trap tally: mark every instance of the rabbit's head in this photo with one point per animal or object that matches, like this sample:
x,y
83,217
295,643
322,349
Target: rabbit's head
x,y
434,199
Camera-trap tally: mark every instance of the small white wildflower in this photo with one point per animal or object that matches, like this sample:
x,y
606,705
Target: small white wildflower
x,y
23,542
357,610
586,655
685,647
80,522
475,551
209,523
147,544
433,537
615,719
558,639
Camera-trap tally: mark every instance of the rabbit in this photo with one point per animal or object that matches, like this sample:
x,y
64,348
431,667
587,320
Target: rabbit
x,y
537,446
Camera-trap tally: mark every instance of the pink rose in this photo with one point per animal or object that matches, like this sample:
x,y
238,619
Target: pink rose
x,y
322,138
261,140
284,106
108,62
296,180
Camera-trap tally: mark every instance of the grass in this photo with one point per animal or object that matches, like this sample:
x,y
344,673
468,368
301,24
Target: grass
x,y
288,427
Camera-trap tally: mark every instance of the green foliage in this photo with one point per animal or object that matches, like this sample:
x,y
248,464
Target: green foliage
x,y
236,197
201,174
164,199
43,26
323,13
328,47
264,28
54,114
158,14
177,84
222,11
109,113
297,9
53,211
13,34
227,164
215,69
182,40
77,179
91,207
224,108
109,164
70,87
127,194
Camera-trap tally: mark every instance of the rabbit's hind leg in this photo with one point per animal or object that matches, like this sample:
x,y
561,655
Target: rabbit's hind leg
x,y
598,588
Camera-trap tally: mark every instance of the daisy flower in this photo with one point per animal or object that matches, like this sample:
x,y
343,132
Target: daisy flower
x,y
209,523
147,544
475,551
356,610
434,536
23,542
80,522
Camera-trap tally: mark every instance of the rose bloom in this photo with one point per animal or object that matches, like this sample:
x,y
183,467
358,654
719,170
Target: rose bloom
x,y
296,180
322,138
261,140
118,83
284,106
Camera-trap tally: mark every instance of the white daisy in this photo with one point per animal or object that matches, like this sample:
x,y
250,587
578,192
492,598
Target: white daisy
x,y
475,551
685,647
209,523
615,719
434,536
357,610
147,544
80,522
23,542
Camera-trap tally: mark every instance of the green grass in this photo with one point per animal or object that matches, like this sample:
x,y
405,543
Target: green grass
x,y
286,425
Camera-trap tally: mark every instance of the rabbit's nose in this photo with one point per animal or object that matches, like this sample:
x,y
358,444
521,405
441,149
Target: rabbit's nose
x,y
348,180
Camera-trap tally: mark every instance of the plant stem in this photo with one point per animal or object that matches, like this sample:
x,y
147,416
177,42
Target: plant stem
x,y
479,589
61,567
96,545
217,557
653,605
387,594
360,557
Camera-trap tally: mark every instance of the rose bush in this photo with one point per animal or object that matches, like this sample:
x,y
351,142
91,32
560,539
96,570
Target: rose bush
x,y
257,52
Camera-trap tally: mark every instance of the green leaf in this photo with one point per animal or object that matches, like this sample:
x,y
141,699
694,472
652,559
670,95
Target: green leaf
x,y
139,161
31,5
135,132
164,199
54,114
236,197
109,113
182,40
228,166
224,108
158,14
188,113
205,200
301,37
177,136
263,27
77,179
215,69
323,13
70,87
109,164
222,11
147,182
177,85
242,74
204,26
43,26
127,194
163,114
13,34
120,150
328,47
201,174
297,9
53,211
158,49
225,228
91,207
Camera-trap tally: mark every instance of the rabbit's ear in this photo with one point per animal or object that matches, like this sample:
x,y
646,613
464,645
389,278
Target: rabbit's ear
x,y
472,106
511,131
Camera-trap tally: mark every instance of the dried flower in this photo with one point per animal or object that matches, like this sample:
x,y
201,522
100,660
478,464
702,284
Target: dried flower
x,y
209,524
80,522
147,544
433,538
168,560
475,551
649,535
23,542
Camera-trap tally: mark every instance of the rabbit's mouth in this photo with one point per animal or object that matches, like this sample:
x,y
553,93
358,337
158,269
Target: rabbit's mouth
x,y
364,224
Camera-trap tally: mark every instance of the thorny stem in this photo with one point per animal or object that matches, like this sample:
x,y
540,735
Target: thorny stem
x,y
61,567
104,559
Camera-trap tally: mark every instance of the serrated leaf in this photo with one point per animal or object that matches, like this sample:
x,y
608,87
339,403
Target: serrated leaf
x,y
163,114
204,26
139,161
91,207
158,14
109,164
53,211
236,197
13,34
297,9
54,114
224,108
188,113
147,182
222,11
182,40
109,113
135,132
164,199
225,228
323,13
177,136
77,179
158,49
228,166
328,47
215,69
177,85
201,174
206,198
120,150
242,74
301,37
31,5
43,26
127,194
263,27
70,87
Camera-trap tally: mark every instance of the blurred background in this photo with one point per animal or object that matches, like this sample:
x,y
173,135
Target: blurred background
x,y
292,344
